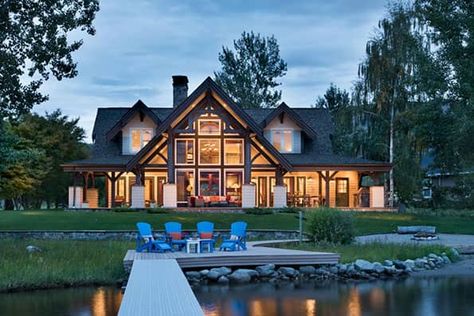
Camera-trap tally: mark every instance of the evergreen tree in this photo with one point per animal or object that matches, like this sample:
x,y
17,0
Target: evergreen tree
x,y
249,73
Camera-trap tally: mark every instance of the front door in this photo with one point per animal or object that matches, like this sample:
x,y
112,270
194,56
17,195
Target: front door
x,y
342,192
161,182
262,192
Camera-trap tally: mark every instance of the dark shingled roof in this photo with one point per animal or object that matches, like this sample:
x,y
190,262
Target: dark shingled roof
x,y
315,151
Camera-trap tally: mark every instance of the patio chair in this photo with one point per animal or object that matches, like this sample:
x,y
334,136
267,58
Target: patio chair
x,y
206,231
175,235
146,241
237,238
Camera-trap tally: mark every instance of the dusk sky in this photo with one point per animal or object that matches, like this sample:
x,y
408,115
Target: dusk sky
x,y
140,44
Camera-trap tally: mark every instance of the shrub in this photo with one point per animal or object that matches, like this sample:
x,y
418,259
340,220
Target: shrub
x,y
258,211
158,210
331,225
290,210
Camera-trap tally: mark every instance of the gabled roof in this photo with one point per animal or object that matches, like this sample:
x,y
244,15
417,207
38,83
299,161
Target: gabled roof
x,y
285,109
138,108
209,86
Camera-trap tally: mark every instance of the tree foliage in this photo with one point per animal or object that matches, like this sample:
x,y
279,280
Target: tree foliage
x,y
249,73
34,46
35,148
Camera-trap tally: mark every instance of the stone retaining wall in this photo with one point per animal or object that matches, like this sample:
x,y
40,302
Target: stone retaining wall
x,y
129,235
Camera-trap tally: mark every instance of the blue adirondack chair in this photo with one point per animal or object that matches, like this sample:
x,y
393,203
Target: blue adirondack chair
x,y
207,228
146,241
237,238
173,228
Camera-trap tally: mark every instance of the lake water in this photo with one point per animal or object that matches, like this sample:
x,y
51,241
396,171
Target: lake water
x,y
412,296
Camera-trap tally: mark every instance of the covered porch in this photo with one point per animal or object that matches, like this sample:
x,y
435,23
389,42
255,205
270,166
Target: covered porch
x,y
342,187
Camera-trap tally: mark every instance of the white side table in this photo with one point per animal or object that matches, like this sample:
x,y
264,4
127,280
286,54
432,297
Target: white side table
x,y
193,244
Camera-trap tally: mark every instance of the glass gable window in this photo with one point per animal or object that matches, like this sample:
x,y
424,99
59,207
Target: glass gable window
x,y
209,151
209,183
234,152
184,152
140,137
209,127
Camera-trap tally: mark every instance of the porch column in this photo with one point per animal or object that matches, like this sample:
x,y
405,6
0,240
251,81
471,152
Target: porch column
x,y
248,188
92,194
279,190
138,189
113,179
75,193
169,189
247,160
327,177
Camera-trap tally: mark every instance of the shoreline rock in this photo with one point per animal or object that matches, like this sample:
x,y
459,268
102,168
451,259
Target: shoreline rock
x,y
358,270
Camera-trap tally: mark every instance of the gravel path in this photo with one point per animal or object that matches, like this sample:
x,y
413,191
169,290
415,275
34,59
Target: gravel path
x,y
464,243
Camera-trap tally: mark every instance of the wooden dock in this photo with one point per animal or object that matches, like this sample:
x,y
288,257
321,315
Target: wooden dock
x,y
158,287
255,255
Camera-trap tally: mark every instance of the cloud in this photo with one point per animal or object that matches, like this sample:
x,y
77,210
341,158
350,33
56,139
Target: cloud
x,y
140,44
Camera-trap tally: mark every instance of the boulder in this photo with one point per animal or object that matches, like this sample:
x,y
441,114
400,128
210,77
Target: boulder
x,y
333,270
288,272
250,272
388,263
32,249
266,270
220,271
378,267
420,262
391,270
193,275
307,270
446,259
223,280
363,265
204,272
409,264
239,276
213,275
399,264
341,268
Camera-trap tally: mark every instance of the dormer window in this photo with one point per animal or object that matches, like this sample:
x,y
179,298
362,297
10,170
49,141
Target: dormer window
x,y
140,137
286,140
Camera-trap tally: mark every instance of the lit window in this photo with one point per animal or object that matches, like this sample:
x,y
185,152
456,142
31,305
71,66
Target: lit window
x,y
210,127
282,140
209,183
184,152
139,138
209,151
234,153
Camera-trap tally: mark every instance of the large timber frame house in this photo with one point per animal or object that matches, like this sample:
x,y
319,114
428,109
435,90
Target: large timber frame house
x,y
207,151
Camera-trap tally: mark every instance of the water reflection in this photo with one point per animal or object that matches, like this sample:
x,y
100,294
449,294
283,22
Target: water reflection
x,y
75,302
413,296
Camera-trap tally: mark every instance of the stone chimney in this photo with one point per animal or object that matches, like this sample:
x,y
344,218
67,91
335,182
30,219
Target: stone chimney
x,y
180,89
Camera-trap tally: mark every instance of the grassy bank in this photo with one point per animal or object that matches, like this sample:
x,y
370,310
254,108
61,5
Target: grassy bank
x,y
365,222
75,263
373,251
60,264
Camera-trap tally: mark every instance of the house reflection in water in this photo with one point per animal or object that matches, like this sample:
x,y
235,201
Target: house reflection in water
x,y
105,301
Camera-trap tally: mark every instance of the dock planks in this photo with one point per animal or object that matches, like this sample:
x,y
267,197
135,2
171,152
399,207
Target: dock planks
x,y
158,287
253,256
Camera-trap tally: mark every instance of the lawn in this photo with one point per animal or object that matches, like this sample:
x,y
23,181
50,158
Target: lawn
x,y
373,251
365,222
61,263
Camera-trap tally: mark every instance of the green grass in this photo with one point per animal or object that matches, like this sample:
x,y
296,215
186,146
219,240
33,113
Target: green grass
x,y
61,263
365,222
373,251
